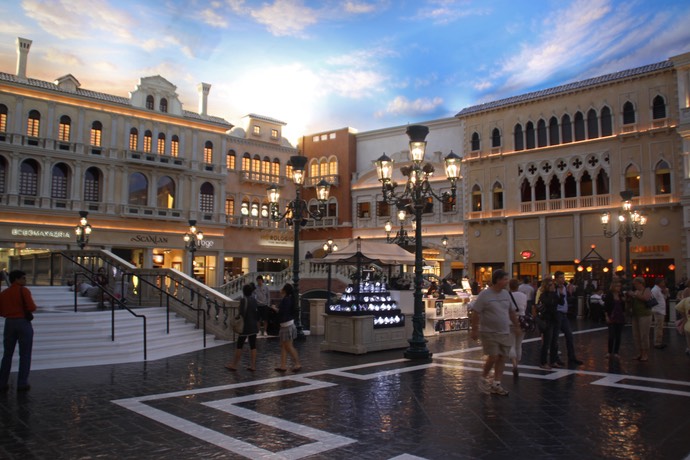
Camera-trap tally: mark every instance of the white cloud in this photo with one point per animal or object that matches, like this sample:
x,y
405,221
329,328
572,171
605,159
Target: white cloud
x,y
359,7
403,106
213,18
285,17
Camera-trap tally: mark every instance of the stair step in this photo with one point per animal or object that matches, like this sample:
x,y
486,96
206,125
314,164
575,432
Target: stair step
x,y
63,338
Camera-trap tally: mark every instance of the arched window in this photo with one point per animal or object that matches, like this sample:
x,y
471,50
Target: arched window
x,y
266,167
518,138
3,118
586,186
160,145
133,139
208,152
230,160
314,167
148,140
497,194
163,105
256,164
554,188
662,178
476,198
165,193
579,127
603,187
175,146
628,113
475,141
323,167
333,166
149,102
495,138
658,108
541,133
96,133
566,129
525,191
92,185
64,128
28,178
254,210
540,190
206,197
59,184
275,169
592,124
246,162
244,208
138,189
570,187
264,210
606,122
632,179
554,138
33,124
529,135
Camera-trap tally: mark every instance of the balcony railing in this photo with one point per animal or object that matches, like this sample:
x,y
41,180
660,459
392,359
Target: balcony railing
x,y
333,179
261,178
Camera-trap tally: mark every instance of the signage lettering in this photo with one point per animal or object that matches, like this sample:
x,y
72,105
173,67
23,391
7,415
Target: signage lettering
x,y
41,233
650,248
155,239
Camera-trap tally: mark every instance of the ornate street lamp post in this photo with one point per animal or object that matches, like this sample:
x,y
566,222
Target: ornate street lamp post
x,y
296,214
329,247
415,195
401,238
83,230
192,241
630,223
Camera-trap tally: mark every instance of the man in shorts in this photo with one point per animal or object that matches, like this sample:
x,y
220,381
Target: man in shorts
x,y
491,318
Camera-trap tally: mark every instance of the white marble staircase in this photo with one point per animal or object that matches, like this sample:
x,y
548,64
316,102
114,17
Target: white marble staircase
x,y
63,338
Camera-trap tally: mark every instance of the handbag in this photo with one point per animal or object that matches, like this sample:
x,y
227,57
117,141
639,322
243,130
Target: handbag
x,y
526,321
652,302
237,323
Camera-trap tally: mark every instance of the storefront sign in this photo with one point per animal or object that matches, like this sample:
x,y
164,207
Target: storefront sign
x,y
41,233
276,239
652,248
160,240
527,254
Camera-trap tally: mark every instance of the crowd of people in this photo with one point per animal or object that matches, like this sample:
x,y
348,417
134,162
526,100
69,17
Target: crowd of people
x,y
497,310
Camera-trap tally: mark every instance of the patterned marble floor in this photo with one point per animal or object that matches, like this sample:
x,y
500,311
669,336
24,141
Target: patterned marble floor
x,y
373,406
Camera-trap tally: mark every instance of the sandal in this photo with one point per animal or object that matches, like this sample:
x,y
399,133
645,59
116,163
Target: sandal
x,y
280,369
230,368
251,369
296,369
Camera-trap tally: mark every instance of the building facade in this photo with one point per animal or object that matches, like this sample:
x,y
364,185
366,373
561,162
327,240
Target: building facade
x,y
541,168
142,167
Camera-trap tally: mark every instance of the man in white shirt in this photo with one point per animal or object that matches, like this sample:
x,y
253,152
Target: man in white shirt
x,y
262,295
527,289
660,293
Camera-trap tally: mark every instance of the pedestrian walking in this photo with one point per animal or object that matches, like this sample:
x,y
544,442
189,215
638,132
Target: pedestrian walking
x,y
548,304
250,314
491,318
262,295
17,306
660,293
288,331
517,335
614,311
641,317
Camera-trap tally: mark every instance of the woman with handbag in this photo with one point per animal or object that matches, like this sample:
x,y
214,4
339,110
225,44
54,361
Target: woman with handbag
x,y
250,314
614,311
517,335
641,317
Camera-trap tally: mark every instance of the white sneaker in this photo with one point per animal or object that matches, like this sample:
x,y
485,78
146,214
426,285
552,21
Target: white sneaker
x,y
484,385
497,389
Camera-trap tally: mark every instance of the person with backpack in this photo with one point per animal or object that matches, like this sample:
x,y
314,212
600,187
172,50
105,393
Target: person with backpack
x,y
250,314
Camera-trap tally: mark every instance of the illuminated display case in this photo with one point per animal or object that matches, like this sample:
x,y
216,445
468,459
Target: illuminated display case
x,y
371,299
446,315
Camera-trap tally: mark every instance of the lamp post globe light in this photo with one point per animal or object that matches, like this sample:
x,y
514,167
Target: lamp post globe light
x,y
297,214
401,237
630,224
415,195
329,247
192,241
83,230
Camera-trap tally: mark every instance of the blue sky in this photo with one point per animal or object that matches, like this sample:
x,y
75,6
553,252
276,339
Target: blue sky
x,y
321,65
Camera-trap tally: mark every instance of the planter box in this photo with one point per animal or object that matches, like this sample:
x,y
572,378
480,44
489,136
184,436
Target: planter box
x,y
356,334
